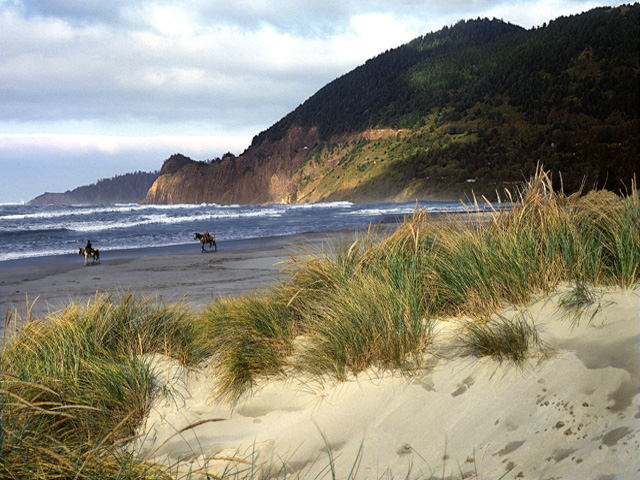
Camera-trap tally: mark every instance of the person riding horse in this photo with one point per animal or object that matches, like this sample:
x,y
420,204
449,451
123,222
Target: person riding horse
x,y
89,252
206,238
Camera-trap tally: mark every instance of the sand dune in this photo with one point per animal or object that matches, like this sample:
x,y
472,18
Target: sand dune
x,y
573,414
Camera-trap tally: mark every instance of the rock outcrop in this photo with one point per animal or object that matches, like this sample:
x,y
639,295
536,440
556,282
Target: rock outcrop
x,y
263,174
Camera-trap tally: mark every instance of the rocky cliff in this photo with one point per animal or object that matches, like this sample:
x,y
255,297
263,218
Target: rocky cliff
x,y
264,174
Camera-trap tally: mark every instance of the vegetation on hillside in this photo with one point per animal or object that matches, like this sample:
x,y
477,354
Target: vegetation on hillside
x,y
472,108
481,102
120,188
75,386
127,188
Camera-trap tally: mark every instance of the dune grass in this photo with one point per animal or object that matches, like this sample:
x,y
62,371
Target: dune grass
x,y
503,339
250,336
373,301
75,385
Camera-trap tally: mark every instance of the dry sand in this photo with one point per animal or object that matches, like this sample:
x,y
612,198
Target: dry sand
x,y
572,415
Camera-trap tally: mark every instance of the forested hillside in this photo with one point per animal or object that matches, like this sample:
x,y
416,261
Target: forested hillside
x,y
127,188
475,106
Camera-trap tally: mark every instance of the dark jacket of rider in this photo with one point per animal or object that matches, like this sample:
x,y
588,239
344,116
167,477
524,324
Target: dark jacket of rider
x,y
88,248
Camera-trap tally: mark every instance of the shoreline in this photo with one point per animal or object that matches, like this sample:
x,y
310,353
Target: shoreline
x,y
132,253
387,223
171,272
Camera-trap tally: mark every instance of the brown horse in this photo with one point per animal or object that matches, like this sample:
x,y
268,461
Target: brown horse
x,y
206,238
95,255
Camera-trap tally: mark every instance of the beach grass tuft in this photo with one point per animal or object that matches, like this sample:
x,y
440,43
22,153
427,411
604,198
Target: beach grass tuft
x,y
502,338
248,337
75,384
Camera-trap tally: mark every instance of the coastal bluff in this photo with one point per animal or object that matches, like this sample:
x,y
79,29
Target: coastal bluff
x,y
261,175
468,111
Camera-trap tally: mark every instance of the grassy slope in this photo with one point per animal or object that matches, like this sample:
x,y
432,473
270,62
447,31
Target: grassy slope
x,y
480,101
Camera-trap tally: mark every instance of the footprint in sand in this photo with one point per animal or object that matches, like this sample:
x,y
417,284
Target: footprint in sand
x,y
464,386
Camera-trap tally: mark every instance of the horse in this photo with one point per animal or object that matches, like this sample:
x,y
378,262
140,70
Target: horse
x,y
95,255
206,238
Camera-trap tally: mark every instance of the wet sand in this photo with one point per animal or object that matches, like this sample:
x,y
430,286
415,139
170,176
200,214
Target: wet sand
x,y
170,272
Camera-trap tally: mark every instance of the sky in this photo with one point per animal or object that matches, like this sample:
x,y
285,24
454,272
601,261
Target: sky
x,y
90,89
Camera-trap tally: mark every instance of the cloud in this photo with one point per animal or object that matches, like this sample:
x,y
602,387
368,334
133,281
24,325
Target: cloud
x,y
73,144
534,14
152,59
34,163
181,71
169,64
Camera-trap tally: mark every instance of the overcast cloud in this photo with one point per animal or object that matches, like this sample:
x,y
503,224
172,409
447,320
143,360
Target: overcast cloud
x,y
90,89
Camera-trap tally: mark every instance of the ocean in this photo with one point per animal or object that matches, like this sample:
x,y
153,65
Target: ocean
x,y
31,232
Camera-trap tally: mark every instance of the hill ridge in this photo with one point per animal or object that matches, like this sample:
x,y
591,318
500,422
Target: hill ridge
x,y
472,107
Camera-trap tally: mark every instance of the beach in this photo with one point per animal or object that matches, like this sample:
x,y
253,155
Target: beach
x,y
570,414
170,272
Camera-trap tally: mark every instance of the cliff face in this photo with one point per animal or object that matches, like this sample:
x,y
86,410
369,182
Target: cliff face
x,y
296,169
263,174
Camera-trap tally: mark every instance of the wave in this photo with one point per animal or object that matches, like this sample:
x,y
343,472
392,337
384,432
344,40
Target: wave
x,y
69,212
305,206
88,211
102,225
382,211
409,208
117,209
5,256
26,232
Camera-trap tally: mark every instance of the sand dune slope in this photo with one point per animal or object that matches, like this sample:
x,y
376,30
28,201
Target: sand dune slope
x,y
572,415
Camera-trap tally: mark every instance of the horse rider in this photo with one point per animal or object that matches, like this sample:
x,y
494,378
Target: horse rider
x,y
206,234
88,248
